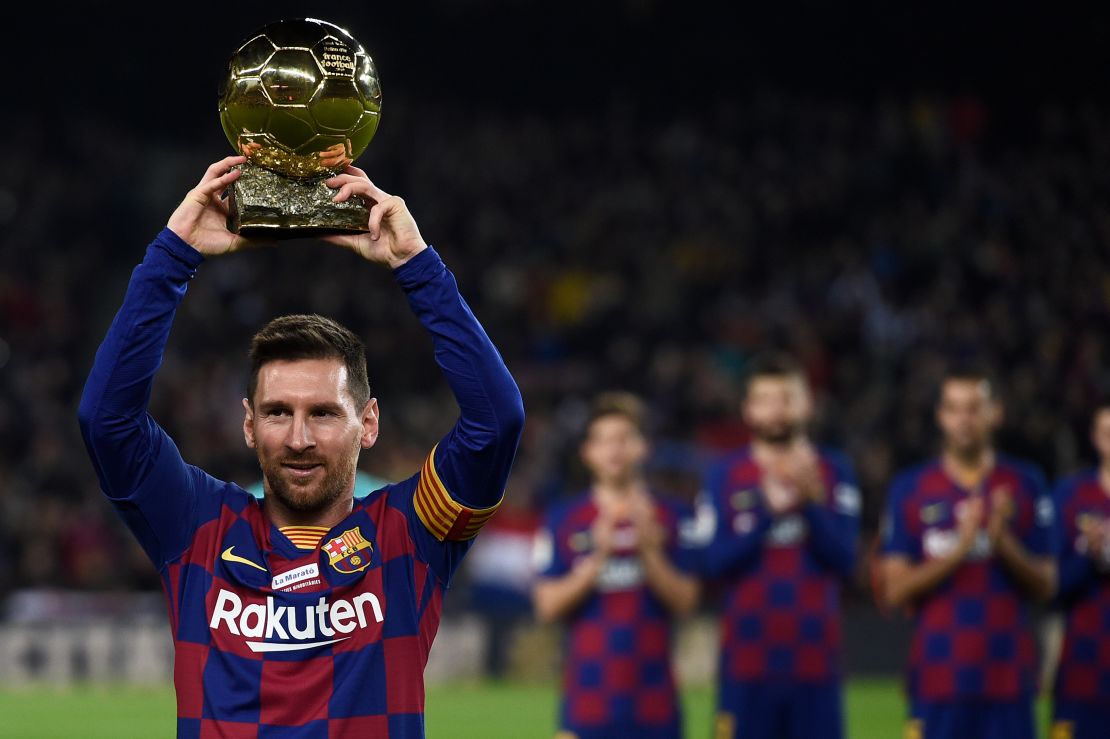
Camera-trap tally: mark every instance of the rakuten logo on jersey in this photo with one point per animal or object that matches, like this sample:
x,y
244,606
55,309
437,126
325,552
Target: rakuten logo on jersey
x,y
289,623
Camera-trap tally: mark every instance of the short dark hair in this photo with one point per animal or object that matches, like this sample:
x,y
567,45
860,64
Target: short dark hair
x,y
310,336
772,364
969,372
618,403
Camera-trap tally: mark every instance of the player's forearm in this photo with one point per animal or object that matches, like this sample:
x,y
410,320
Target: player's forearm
x,y
119,434
1037,575
733,553
905,583
832,537
678,591
479,450
556,598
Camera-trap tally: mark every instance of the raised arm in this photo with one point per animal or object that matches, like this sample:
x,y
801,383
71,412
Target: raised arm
x,y
464,478
122,439
472,461
138,465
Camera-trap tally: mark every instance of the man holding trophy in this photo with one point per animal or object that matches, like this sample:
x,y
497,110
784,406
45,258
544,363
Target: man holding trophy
x,y
309,613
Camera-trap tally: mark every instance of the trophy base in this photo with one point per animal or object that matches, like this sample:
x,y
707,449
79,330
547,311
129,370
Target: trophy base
x,y
264,204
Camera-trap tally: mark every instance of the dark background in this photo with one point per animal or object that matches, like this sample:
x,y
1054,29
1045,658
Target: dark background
x,y
152,72
551,56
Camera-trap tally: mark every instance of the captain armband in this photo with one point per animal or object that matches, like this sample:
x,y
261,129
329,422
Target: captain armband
x,y
442,515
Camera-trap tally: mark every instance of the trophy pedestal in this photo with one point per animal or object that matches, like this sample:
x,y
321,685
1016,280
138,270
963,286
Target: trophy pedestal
x,y
265,204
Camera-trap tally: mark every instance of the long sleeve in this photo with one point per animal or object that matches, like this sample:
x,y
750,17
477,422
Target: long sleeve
x,y
138,465
1076,571
832,537
736,544
465,476
737,553
896,537
834,529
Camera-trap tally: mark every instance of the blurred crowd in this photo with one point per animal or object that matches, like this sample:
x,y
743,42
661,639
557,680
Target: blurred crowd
x,y
631,247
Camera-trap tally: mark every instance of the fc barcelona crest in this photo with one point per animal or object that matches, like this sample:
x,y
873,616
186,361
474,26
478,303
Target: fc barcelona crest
x,y
349,552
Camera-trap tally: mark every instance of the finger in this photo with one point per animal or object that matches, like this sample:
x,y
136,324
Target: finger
x,y
219,168
344,193
347,186
365,186
208,188
377,213
351,171
342,179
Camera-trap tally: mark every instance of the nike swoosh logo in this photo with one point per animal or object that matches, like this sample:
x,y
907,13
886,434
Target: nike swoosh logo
x,y
258,646
227,556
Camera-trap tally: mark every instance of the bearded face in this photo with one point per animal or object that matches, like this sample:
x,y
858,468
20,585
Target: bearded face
x,y
777,408
307,432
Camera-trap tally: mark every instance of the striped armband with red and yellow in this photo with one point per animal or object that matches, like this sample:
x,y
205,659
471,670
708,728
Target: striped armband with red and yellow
x,y
445,517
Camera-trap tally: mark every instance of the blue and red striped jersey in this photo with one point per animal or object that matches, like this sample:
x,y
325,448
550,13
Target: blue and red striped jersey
x,y
270,639
1084,591
972,634
783,574
617,674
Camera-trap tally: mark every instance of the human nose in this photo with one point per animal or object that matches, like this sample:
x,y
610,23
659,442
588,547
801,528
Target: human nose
x,y
300,435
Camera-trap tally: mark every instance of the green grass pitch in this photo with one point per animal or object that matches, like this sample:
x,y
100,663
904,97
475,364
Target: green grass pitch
x,y
458,711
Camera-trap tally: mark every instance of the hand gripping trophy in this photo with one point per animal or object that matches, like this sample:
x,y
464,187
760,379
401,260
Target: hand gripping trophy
x,y
301,101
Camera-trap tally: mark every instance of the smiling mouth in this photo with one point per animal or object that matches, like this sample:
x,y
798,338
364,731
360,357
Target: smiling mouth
x,y
301,468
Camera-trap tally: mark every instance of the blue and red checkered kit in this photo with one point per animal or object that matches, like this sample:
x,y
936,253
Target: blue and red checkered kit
x,y
1084,671
272,640
972,634
617,677
782,574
